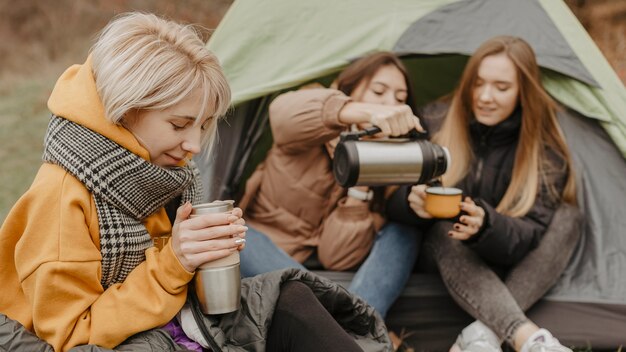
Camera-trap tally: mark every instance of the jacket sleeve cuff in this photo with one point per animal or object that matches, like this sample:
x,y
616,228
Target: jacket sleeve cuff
x,y
330,111
352,212
172,273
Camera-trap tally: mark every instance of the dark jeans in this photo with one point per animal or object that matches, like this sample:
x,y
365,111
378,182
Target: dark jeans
x,y
301,324
500,303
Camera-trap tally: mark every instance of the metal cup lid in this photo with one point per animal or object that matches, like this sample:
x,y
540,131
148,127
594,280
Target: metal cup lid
x,y
218,206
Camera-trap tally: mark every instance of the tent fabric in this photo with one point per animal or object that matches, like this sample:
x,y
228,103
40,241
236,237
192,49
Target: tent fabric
x,y
461,27
260,57
596,271
270,46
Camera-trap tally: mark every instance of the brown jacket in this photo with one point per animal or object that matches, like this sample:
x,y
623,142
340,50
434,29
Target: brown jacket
x,y
293,198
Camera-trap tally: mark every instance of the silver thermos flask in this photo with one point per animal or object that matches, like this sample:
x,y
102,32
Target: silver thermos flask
x,y
389,161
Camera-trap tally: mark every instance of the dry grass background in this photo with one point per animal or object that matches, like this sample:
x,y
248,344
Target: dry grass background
x,y
605,20
40,38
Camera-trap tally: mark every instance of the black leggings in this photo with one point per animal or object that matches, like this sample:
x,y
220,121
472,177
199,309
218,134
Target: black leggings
x,y
300,323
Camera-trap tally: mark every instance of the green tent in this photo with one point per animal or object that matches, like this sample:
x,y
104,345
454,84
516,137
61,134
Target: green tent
x,y
269,46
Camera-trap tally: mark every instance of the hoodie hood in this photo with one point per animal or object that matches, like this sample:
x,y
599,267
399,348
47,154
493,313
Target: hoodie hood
x,y
76,98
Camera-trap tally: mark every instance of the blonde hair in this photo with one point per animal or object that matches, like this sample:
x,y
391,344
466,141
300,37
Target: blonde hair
x,y
141,61
539,128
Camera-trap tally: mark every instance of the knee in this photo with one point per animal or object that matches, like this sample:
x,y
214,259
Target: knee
x,y
298,302
447,251
437,238
294,295
441,228
398,229
564,230
403,235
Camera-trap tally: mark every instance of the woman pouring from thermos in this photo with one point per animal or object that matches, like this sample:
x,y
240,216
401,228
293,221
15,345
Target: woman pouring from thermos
x,y
295,207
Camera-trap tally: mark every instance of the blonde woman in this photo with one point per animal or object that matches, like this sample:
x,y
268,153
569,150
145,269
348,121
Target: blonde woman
x,y
512,163
79,264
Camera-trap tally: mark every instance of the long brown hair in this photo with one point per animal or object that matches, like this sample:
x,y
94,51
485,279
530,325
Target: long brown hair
x,y
364,69
539,127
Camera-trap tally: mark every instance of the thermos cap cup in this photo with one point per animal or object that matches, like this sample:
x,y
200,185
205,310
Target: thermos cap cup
x,y
218,206
218,283
218,289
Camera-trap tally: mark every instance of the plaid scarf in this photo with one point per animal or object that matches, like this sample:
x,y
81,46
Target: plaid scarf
x,y
126,189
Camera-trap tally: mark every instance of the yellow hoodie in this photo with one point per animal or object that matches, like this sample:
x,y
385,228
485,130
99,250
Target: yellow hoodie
x,y
50,248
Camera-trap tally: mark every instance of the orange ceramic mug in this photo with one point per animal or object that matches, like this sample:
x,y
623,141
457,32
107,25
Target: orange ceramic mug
x,y
443,202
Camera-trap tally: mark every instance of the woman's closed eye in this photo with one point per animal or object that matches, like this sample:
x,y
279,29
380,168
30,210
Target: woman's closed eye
x,y
205,125
503,87
178,126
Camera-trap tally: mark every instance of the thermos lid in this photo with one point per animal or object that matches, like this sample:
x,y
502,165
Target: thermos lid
x,y
218,206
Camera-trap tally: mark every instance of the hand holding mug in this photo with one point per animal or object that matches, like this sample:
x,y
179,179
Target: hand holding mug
x,y
206,238
470,223
417,201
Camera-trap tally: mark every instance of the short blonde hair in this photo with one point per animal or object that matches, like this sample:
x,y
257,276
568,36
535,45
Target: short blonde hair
x,y
141,61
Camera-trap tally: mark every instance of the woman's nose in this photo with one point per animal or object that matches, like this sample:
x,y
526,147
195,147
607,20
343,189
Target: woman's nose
x,y
485,94
192,143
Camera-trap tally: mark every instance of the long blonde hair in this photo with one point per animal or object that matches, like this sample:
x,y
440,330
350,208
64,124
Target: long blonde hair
x,y
141,61
539,128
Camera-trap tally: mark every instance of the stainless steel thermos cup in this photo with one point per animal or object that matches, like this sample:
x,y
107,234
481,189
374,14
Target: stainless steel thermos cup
x,y
218,283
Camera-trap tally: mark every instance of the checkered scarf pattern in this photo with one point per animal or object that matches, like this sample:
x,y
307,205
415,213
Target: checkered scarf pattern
x,y
126,189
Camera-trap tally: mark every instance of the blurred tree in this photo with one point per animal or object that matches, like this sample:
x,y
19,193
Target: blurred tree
x,y
36,33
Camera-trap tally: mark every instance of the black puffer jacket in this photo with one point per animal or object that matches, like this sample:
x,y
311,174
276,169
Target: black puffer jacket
x,y
503,240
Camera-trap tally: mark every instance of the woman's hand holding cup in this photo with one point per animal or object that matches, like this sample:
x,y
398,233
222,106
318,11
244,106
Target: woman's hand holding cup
x,y
470,223
417,201
443,205
206,238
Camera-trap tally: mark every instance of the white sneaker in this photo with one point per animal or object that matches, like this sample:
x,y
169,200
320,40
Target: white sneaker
x,y
543,341
477,337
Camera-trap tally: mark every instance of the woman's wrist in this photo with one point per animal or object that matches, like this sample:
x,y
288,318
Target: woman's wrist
x,y
354,113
